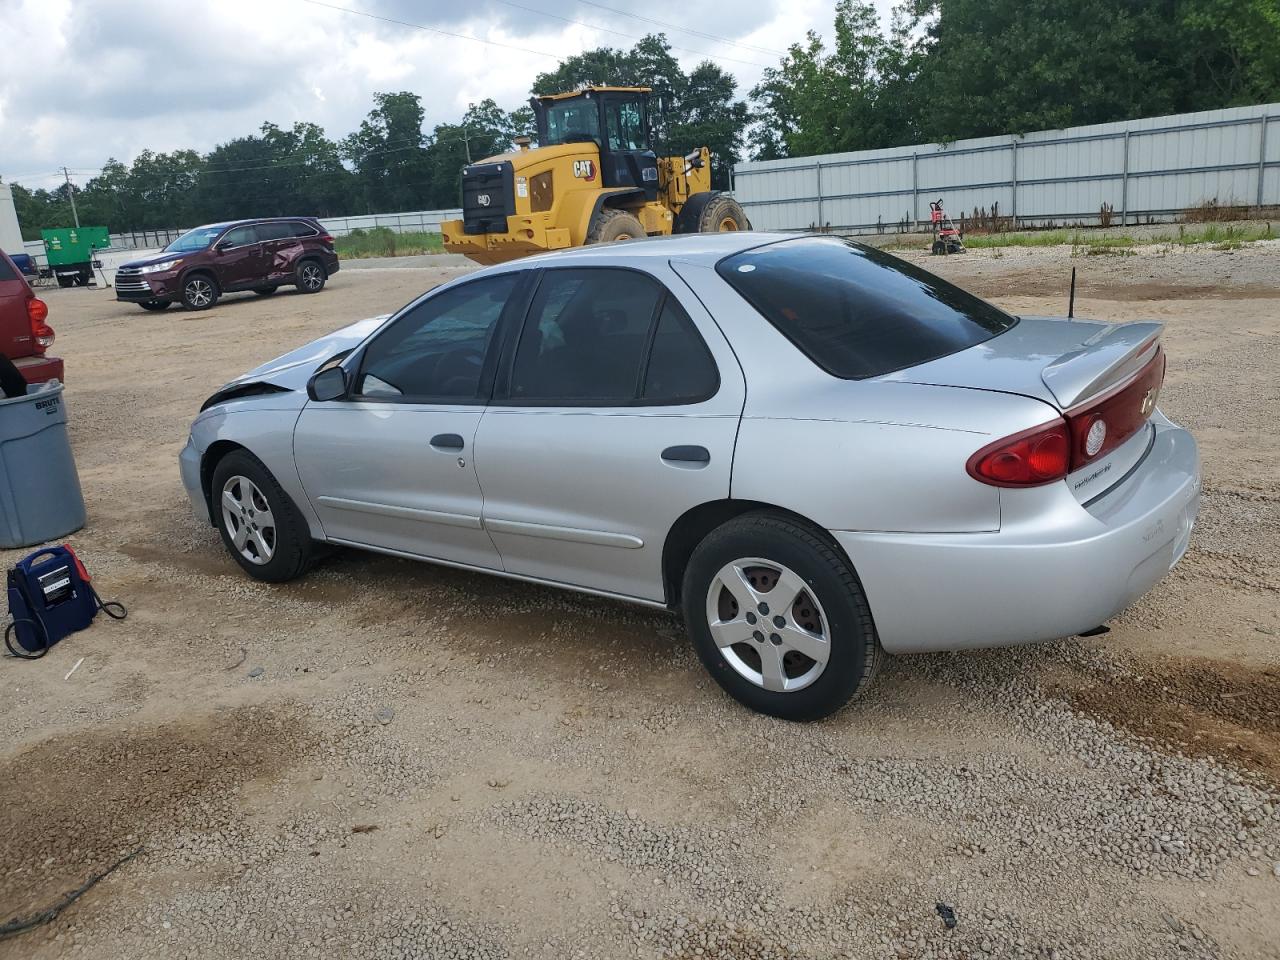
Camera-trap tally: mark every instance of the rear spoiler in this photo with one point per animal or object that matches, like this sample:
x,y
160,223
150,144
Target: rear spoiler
x,y
1105,359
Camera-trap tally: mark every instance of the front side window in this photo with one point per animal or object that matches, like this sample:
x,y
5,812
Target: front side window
x,y
437,350
573,121
624,123
607,337
857,311
193,240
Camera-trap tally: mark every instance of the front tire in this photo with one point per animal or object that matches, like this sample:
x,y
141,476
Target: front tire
x,y
260,525
779,618
199,292
610,225
310,276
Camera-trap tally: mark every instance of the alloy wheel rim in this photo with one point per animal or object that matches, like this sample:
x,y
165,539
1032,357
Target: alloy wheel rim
x,y
311,277
768,625
199,293
248,520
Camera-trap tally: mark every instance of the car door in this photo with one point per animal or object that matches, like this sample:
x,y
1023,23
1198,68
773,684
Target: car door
x,y
615,412
390,466
238,257
279,248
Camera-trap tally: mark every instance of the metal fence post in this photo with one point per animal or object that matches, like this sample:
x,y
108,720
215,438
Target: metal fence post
x,y
915,191
819,175
1013,206
1124,185
1262,159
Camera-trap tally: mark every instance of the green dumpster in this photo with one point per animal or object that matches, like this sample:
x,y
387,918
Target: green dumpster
x,y
70,252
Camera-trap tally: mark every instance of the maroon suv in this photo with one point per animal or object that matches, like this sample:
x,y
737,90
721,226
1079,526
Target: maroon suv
x,y
204,263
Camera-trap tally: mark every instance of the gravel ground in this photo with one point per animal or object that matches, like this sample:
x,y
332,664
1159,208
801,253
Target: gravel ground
x,y
390,760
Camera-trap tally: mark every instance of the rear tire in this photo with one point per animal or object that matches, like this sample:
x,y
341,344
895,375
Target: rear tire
x,y
155,304
723,215
66,281
310,276
612,224
265,291
199,292
823,611
244,493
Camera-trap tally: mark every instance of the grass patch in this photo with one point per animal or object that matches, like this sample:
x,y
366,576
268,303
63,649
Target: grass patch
x,y
384,242
1222,237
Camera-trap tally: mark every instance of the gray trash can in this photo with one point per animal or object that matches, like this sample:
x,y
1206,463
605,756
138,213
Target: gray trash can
x,y
40,495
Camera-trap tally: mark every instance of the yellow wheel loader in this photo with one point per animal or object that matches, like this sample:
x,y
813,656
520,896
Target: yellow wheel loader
x,y
594,178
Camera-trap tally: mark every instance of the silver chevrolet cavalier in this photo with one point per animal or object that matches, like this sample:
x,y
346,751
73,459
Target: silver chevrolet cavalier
x,y
815,451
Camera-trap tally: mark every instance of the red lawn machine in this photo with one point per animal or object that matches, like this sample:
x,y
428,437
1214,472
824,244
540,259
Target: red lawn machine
x,y
947,238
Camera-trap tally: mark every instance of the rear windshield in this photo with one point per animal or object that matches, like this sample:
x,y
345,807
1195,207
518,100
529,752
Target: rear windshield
x,y
856,311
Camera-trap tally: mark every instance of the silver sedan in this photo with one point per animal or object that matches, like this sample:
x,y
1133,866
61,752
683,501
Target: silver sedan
x,y
814,450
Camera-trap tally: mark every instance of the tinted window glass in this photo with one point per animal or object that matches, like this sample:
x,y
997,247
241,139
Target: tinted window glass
x,y
437,350
273,231
196,239
574,121
585,336
299,229
7,272
680,366
856,311
624,122
239,236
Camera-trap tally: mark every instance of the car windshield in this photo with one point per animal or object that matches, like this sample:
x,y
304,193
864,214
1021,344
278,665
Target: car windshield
x,y
857,311
573,120
192,240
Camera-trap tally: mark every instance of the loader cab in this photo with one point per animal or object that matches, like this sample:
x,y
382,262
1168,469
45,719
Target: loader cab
x,y
616,120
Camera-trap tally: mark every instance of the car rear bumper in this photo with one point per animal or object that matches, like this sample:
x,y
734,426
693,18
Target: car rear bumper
x,y
1049,572
39,369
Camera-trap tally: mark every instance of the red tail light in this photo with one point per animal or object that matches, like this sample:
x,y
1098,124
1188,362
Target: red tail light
x,y
1085,433
1102,423
1027,459
326,239
41,332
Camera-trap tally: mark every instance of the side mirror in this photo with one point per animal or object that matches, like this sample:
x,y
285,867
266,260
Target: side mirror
x,y
329,384
222,245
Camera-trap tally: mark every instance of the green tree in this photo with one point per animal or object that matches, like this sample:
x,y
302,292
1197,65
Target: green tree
x,y
389,153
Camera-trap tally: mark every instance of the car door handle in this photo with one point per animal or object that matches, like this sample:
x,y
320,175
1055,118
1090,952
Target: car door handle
x,y
687,455
447,441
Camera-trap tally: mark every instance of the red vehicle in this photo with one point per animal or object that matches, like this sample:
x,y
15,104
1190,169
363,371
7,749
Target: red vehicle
x,y
24,335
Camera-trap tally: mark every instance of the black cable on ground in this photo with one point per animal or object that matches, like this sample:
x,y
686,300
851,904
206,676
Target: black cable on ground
x,y
23,924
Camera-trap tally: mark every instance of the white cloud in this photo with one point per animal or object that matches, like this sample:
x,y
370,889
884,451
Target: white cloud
x,y
109,78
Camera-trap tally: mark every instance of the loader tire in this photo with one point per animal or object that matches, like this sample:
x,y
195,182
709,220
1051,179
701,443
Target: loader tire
x,y
723,215
611,224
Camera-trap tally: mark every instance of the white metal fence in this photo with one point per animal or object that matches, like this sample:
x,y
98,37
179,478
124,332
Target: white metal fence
x,y
418,221
1144,170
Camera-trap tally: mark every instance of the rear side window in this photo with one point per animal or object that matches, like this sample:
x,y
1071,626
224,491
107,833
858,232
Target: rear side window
x,y
586,336
297,229
681,369
856,311
273,231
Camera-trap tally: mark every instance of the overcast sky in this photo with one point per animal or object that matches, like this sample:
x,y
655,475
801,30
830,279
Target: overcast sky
x,y
86,80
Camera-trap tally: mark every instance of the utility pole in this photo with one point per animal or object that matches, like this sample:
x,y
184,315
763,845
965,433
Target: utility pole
x,y
71,192
466,140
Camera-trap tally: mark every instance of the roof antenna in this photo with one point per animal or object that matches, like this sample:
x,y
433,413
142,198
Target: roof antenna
x,y
1071,303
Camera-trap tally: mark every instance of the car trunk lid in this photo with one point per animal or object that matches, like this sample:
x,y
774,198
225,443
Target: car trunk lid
x,y
1102,379
1060,361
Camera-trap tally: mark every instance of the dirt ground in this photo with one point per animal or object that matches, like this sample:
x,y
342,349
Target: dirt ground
x,y
388,759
